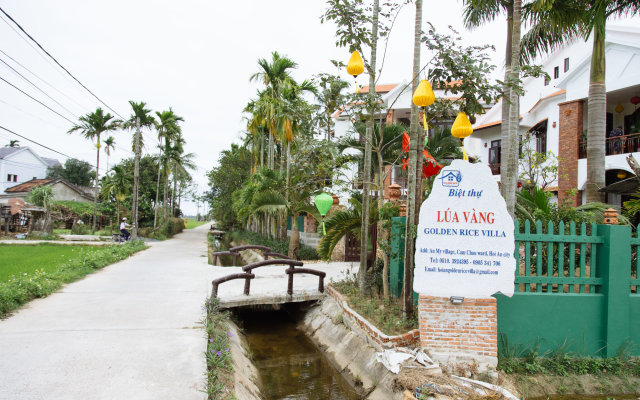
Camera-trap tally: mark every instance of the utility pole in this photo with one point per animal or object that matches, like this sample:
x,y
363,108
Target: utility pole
x,y
136,178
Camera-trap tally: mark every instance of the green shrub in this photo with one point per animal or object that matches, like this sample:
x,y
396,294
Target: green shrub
x,y
278,246
80,229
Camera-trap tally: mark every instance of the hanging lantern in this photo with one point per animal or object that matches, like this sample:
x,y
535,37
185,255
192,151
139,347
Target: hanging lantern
x,y
635,100
424,96
461,126
461,129
355,66
619,108
621,174
323,203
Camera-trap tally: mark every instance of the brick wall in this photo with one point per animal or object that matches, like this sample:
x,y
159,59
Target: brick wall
x,y
569,131
459,333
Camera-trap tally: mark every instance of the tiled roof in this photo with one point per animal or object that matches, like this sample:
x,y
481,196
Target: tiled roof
x,y
379,88
5,151
27,186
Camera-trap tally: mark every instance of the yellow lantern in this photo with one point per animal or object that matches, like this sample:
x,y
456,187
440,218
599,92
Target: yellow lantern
x,y
424,96
619,108
355,66
461,129
621,174
461,126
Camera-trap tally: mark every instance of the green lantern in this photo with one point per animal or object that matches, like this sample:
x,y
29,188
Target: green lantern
x,y
323,204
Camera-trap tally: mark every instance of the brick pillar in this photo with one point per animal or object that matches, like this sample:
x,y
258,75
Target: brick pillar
x,y
390,117
460,333
569,132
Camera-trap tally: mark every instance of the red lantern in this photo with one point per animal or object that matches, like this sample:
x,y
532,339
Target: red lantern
x,y
430,166
635,100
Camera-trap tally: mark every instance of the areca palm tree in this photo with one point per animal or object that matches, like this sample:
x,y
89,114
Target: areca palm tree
x,y
91,126
109,145
167,127
476,13
118,185
556,23
141,118
179,162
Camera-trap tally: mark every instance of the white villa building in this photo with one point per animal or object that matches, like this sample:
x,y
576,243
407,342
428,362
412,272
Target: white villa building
x,y
556,110
21,164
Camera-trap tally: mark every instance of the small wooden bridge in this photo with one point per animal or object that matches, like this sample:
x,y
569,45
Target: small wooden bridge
x,y
294,267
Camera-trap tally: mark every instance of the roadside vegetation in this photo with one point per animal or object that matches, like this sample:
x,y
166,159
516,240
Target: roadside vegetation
x,y
34,280
193,223
218,353
277,246
26,259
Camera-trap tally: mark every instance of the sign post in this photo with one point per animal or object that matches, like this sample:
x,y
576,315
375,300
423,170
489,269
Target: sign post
x,y
464,254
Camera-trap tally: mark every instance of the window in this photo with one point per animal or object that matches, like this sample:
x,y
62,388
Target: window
x,y
566,64
541,142
556,72
546,80
12,178
494,157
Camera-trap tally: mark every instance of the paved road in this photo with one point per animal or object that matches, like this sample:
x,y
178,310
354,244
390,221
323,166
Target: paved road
x,y
130,331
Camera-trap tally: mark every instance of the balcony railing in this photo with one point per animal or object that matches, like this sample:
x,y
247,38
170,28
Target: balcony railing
x,y
615,145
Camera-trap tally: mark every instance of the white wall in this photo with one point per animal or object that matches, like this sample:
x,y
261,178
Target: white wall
x,y
22,163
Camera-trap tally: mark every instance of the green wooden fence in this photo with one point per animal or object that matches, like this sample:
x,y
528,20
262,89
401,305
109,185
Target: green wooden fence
x,y
576,287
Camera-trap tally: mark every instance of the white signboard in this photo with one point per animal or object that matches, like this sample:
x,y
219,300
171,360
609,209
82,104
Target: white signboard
x,y
464,243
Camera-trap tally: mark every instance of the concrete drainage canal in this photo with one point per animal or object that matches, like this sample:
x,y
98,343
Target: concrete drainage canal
x,y
289,364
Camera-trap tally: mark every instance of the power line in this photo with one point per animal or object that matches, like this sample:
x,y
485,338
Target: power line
x,y
60,65
36,100
43,80
37,87
40,144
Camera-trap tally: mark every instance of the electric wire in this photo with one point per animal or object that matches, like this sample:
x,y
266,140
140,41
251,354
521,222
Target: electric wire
x,y
60,65
40,144
36,100
84,107
38,88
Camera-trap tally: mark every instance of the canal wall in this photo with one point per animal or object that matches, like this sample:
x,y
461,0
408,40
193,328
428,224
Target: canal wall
x,y
349,350
245,375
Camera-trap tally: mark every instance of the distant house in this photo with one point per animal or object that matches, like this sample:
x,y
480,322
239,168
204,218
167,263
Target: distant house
x,y
61,188
22,164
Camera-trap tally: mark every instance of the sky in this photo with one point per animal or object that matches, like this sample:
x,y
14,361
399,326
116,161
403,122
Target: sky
x,y
193,56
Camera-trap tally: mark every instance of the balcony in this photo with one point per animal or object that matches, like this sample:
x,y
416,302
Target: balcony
x,y
615,145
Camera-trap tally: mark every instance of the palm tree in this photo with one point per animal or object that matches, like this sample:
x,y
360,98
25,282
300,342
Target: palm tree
x,y
476,13
109,145
330,98
91,126
141,118
118,185
274,75
13,143
179,162
553,27
167,128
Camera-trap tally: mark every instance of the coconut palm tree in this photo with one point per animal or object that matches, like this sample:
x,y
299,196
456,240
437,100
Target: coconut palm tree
x,y
553,24
167,127
91,126
141,118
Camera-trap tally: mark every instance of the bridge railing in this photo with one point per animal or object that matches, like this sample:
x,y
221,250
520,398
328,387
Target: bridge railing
x,y
248,275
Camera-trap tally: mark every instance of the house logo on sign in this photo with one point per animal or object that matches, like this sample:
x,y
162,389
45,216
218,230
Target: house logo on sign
x,y
451,178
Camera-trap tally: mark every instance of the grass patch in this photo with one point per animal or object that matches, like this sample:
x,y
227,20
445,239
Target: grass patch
x,y
192,223
564,364
218,354
385,314
19,289
277,246
26,259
